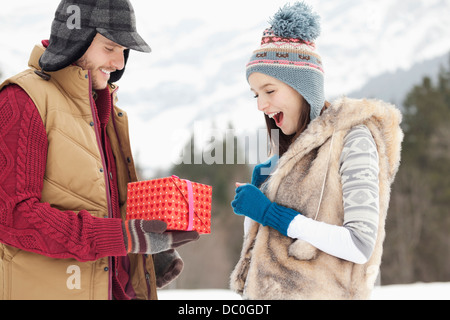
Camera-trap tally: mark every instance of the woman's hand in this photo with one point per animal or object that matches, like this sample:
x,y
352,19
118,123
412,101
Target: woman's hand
x,y
251,202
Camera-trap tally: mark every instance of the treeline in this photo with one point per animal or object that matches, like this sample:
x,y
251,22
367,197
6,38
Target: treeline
x,y
417,247
210,260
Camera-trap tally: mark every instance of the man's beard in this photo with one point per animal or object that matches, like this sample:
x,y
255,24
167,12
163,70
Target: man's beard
x,y
85,65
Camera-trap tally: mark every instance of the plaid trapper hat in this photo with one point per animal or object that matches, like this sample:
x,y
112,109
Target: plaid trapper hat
x,y
114,19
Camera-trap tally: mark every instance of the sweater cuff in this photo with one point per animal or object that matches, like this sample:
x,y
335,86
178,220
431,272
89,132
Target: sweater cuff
x,y
110,240
279,217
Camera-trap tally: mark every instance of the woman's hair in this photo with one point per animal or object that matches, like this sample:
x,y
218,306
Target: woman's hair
x,y
284,141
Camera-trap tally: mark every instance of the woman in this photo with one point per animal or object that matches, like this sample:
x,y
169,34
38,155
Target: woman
x,y
315,229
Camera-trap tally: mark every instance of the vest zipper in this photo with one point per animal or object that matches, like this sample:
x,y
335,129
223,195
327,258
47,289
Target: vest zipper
x,y
105,173
144,263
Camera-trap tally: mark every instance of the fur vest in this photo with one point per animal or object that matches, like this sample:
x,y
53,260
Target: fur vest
x,y
307,180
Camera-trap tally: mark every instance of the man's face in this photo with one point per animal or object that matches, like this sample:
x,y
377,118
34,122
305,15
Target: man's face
x,y
103,57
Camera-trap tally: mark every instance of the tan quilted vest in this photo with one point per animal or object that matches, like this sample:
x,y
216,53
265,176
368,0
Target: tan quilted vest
x,y
75,180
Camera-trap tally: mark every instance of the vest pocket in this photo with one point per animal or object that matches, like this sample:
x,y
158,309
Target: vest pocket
x,y
30,276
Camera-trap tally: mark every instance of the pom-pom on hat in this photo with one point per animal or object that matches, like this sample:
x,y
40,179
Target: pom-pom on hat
x,y
288,53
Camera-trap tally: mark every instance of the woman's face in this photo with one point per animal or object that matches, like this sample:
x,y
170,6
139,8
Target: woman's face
x,y
278,101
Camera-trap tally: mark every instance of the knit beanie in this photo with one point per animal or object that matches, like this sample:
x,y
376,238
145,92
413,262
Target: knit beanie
x,y
77,22
288,53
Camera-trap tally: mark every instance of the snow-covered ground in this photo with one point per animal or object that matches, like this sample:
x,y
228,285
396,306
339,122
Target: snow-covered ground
x,y
418,291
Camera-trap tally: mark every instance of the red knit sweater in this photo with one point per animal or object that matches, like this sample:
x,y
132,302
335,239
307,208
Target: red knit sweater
x,y
28,224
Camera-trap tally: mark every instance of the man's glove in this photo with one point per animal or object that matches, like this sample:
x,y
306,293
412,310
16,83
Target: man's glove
x,y
151,237
251,202
168,266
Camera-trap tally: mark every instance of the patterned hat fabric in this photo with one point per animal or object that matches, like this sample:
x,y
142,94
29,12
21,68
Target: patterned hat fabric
x,y
78,21
288,53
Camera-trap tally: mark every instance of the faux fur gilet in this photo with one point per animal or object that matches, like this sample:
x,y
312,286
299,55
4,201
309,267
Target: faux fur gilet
x,y
307,180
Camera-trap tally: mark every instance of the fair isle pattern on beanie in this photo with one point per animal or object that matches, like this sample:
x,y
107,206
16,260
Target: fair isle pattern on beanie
x,y
288,53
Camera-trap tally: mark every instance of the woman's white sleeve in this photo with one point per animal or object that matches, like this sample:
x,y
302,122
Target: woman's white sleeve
x,y
247,224
355,240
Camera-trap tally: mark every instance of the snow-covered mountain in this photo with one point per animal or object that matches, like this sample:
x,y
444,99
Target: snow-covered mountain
x,y
195,75
394,86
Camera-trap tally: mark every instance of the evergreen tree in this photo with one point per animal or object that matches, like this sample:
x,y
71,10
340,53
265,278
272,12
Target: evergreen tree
x,y
210,260
418,243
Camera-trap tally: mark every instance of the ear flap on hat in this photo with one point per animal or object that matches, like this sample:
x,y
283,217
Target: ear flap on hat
x,y
116,75
65,47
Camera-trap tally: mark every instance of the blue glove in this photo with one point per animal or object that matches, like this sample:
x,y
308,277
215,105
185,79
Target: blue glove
x,y
262,171
251,202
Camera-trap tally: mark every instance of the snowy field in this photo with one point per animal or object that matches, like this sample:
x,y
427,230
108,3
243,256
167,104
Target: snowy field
x,y
419,291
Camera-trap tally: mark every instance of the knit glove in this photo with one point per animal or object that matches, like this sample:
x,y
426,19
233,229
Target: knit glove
x,y
151,237
262,171
168,266
251,202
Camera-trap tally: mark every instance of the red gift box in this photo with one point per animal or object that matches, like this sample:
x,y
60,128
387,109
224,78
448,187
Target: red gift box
x,y
182,204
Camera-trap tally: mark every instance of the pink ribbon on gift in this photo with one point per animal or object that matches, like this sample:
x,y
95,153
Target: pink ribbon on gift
x,y
191,206
190,203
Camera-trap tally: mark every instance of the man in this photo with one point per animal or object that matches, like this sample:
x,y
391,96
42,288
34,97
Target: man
x,y
65,162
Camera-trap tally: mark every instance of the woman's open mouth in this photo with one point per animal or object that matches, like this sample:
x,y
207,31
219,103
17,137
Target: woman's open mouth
x,y
278,117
